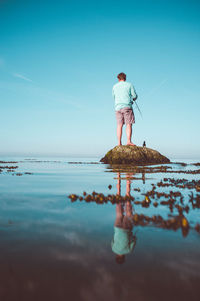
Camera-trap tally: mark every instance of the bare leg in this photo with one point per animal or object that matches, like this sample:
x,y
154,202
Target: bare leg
x,y
119,133
118,184
129,134
129,208
119,207
128,186
119,215
128,203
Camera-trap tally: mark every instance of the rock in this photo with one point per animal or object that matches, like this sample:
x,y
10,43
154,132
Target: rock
x,y
136,155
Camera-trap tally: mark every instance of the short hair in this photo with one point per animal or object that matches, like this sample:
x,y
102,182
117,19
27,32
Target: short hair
x,y
121,76
120,259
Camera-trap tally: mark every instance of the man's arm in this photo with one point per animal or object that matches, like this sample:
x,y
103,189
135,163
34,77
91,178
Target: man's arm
x,y
113,94
133,93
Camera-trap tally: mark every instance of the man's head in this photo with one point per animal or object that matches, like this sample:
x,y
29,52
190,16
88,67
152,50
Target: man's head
x,y
120,259
121,76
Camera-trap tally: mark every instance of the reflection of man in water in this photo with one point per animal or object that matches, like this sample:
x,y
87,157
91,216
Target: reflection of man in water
x,y
123,241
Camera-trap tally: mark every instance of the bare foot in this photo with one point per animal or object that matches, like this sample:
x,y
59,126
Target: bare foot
x,y
119,144
130,143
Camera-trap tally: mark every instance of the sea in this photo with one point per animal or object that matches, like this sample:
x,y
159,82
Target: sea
x,y
55,246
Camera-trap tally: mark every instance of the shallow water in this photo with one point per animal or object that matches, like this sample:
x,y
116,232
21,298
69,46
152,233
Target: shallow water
x,y
53,249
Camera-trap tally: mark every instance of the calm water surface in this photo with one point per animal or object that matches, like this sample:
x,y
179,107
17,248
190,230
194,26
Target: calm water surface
x,y
53,249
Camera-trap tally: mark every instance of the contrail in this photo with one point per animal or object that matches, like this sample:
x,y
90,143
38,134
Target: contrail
x,y
22,77
152,91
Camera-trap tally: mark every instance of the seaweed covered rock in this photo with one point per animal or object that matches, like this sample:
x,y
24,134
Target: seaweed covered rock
x,y
136,155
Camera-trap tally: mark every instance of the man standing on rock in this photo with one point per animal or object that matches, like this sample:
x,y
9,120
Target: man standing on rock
x,y
124,96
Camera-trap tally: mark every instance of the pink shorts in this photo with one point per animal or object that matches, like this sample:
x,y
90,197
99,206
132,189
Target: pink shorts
x,y
125,115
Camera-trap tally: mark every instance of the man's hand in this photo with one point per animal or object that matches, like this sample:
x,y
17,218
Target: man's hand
x,y
134,99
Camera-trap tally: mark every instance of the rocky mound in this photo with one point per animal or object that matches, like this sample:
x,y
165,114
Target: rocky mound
x,y
136,155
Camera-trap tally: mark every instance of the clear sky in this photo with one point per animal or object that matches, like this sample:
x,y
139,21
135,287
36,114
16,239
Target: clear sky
x,y
59,61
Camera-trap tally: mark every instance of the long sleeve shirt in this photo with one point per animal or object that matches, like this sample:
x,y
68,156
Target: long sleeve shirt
x,y
123,241
123,93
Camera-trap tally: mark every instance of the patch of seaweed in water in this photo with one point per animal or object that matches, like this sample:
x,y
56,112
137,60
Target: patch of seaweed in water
x,y
174,200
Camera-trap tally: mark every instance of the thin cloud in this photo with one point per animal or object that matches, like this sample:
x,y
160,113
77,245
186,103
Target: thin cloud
x,y
18,75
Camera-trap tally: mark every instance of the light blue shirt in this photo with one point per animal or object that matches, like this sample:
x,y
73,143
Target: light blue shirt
x,y
123,241
123,93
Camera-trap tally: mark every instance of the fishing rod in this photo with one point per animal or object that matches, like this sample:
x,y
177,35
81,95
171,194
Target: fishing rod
x,y
144,143
138,108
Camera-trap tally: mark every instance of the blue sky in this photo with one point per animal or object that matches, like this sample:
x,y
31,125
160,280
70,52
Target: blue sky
x,y
59,61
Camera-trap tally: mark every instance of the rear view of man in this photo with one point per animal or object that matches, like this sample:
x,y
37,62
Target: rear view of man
x,y
124,95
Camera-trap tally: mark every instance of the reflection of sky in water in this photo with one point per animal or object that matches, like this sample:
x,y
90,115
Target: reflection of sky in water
x,y
50,246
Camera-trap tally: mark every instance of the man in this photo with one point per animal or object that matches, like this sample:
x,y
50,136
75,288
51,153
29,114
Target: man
x,y
124,95
123,241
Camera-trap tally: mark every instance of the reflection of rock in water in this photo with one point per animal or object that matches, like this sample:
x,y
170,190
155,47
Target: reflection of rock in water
x,y
147,169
